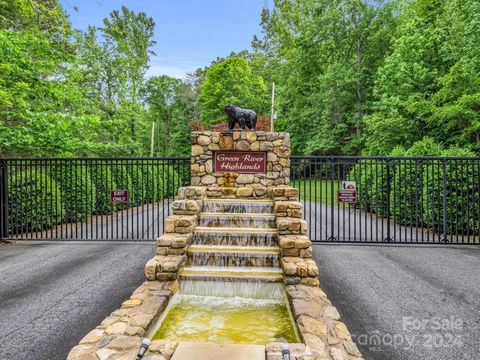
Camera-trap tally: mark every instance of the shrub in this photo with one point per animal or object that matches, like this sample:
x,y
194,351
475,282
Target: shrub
x,y
462,193
104,182
372,182
171,180
407,183
33,202
78,192
145,182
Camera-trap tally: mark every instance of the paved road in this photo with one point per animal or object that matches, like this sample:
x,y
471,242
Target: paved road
x,y
379,290
51,295
345,223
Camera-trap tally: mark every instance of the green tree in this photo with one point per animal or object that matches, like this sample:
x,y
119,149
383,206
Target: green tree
x,y
231,81
325,54
428,85
129,38
171,108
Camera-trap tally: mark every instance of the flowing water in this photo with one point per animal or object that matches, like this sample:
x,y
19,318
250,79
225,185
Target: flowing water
x,y
231,313
238,206
231,289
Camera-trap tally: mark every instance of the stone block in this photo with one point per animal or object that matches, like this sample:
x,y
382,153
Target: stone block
x,y
309,281
265,146
282,151
203,140
151,269
209,166
291,280
289,268
225,142
290,252
197,150
255,146
166,276
306,253
245,179
289,225
317,346
169,225
302,242
242,145
251,136
287,242
310,325
260,192
208,180
312,268
244,192
331,312
288,209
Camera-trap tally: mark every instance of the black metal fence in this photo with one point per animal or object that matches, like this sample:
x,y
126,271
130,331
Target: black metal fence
x,y
77,199
398,199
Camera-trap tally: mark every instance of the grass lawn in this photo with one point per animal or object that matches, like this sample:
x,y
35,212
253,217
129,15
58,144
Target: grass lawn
x,y
319,191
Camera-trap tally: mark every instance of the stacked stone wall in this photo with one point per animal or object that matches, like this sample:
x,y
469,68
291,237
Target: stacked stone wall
x,y
295,246
276,145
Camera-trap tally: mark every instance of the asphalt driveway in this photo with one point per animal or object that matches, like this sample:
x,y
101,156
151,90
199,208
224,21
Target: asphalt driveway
x,y
391,297
406,302
51,295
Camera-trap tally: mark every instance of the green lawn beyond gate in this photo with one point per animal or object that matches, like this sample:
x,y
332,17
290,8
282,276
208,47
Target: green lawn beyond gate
x,y
318,191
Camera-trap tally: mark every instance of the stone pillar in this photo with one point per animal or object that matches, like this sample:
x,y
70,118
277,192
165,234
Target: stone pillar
x,y
275,146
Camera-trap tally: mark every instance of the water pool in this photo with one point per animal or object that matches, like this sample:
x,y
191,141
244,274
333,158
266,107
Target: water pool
x,y
257,317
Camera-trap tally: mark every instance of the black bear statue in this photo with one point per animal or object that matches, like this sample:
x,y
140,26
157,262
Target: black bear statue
x,y
242,117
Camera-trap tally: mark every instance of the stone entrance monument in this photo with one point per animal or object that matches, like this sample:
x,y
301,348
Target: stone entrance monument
x,y
238,225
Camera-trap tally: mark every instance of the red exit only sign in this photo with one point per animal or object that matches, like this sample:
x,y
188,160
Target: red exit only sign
x,y
119,195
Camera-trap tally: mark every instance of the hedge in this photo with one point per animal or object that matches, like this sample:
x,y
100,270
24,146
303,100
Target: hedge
x,y
79,193
416,190
104,183
462,194
407,182
372,182
34,202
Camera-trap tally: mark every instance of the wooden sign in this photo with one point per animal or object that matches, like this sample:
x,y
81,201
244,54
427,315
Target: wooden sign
x,y
120,196
242,162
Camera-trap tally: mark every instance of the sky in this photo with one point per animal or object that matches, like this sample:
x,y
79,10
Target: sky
x,y
189,33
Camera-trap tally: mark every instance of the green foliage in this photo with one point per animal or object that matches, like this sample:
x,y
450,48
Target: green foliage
x,y
104,182
72,96
352,77
416,187
34,201
78,192
461,194
171,111
231,81
372,185
428,85
323,55
408,181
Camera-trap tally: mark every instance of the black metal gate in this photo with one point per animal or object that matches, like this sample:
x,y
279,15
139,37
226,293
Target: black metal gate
x,y
398,199
75,199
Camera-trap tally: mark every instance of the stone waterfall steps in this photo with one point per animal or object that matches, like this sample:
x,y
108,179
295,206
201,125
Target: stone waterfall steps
x,y
236,239
251,220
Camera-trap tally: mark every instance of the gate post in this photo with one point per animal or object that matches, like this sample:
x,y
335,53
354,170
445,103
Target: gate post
x,y
388,238
444,179
3,200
